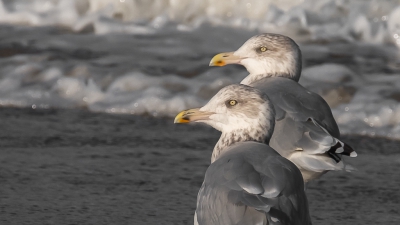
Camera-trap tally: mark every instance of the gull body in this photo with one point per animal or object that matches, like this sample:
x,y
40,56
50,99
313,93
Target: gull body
x,y
305,130
248,182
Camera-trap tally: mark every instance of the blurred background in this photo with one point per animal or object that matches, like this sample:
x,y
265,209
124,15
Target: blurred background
x,y
88,89
150,57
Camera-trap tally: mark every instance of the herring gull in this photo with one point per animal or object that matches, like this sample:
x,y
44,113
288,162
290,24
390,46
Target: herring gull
x,y
247,182
305,132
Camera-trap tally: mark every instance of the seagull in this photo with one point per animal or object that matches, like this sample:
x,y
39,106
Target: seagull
x,y
305,131
247,182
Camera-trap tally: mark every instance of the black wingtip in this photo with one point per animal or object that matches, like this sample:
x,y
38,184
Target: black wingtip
x,y
334,156
348,150
342,149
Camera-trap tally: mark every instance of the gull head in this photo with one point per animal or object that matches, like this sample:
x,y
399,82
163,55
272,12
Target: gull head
x,y
238,109
265,54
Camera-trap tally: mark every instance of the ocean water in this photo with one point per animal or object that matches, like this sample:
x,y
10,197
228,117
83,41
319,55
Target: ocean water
x,y
151,56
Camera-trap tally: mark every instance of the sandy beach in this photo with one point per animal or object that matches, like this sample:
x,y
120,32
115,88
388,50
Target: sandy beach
x,y
78,167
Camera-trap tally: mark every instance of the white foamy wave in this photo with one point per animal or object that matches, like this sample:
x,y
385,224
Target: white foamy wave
x,y
328,20
152,56
134,92
365,105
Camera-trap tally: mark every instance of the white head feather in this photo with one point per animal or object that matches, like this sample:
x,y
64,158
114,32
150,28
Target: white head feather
x,y
282,57
251,118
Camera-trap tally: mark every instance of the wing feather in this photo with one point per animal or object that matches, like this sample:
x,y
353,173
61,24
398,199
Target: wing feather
x,y
305,121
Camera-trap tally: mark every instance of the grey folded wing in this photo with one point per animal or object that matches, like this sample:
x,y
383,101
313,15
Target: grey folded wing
x,y
304,120
252,184
292,99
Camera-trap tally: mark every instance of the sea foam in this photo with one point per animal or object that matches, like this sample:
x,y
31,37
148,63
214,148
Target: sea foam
x,y
151,57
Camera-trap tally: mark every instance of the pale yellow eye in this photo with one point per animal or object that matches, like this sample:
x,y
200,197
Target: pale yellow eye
x,y
263,49
232,102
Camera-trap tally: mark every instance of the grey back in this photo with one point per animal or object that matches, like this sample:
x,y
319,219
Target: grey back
x,y
252,184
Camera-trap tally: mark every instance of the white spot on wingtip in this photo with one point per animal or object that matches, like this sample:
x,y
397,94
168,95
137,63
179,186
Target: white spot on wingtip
x,y
274,219
339,150
353,154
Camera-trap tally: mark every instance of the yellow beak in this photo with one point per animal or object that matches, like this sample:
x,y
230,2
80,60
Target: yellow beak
x,y
225,58
191,115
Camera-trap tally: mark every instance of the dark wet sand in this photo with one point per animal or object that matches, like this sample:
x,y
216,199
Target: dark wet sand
x,y
76,167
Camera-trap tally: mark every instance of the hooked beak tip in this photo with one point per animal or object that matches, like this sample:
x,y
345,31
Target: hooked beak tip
x,y
222,59
217,63
181,117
